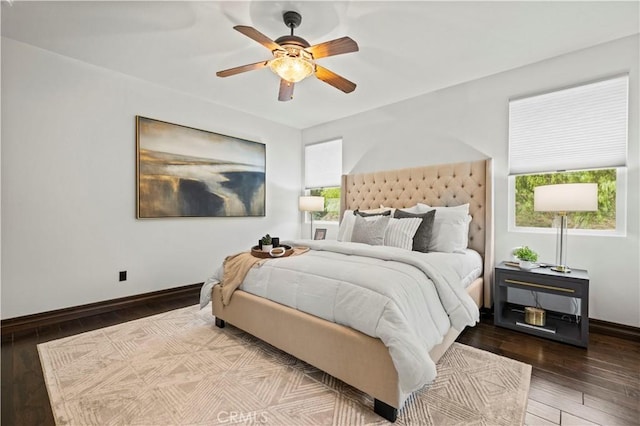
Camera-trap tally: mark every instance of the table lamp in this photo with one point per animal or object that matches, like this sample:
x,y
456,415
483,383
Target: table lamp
x,y
310,203
563,198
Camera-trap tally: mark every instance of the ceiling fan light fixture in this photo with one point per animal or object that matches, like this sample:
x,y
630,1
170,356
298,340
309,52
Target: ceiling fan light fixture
x,y
292,64
294,58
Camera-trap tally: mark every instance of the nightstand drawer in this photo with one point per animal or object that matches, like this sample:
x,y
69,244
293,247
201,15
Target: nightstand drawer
x,y
537,282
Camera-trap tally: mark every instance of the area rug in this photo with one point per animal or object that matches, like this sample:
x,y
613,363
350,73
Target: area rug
x,y
177,368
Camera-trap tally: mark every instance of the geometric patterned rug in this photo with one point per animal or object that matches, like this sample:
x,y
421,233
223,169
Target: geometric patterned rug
x,y
178,368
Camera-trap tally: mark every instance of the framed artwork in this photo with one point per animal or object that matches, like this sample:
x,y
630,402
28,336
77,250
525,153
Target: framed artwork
x,y
320,234
187,172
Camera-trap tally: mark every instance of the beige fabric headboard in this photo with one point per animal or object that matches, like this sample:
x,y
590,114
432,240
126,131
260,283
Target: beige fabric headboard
x,y
437,185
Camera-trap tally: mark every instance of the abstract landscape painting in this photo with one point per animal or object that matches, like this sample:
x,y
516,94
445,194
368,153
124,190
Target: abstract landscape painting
x,y
186,172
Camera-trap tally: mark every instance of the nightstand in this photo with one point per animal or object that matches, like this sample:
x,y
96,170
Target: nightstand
x,y
567,328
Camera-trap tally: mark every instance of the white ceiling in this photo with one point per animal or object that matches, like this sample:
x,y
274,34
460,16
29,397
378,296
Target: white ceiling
x,y
406,48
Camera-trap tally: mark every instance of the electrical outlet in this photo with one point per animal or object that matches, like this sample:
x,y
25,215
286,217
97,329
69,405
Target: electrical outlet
x,y
123,276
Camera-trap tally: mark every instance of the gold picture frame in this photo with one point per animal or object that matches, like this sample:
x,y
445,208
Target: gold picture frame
x,y
186,172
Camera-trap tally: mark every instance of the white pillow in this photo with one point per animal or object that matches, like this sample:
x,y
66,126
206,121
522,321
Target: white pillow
x,y
400,232
450,233
423,208
346,226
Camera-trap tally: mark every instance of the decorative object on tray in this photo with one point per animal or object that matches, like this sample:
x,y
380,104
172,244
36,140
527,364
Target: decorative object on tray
x,y
526,256
277,252
186,172
275,242
266,243
274,252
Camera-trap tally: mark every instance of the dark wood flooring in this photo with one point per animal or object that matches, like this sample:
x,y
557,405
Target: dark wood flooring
x,y
569,385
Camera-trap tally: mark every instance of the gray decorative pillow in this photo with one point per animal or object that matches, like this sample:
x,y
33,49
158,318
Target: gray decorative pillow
x,y
422,236
357,212
370,231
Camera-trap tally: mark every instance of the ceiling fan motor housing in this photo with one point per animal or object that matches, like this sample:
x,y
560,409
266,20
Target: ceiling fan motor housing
x,y
292,19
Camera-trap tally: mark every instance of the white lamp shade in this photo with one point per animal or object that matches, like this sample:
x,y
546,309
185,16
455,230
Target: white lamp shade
x,y
566,197
311,204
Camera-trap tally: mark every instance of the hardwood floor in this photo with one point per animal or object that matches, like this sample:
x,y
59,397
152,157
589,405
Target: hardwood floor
x,y
569,385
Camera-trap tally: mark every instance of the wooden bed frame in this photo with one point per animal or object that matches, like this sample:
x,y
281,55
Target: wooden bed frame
x,y
353,357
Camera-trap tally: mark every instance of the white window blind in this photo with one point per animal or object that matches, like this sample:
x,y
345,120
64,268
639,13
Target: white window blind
x,y
582,127
323,164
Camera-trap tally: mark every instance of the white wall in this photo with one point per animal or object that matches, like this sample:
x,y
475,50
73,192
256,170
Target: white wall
x,y
470,121
68,186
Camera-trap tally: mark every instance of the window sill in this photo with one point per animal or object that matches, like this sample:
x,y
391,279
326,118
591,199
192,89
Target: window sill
x,y
323,222
581,232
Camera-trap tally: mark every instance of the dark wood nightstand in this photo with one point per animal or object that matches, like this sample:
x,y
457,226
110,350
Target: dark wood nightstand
x,y
567,328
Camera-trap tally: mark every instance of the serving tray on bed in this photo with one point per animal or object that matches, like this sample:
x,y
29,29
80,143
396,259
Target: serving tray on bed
x,y
257,252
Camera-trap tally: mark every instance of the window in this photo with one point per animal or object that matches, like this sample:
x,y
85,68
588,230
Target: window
x,y
331,211
323,173
603,219
578,134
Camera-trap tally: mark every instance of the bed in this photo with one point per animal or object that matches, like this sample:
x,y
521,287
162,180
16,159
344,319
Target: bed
x,y
347,354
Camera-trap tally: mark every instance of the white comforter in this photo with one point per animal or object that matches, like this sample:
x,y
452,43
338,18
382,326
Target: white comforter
x,y
404,298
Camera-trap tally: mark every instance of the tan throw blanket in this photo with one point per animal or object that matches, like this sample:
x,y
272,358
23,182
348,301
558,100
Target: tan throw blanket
x,y
236,268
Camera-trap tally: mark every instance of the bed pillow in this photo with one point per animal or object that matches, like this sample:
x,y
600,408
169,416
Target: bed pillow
x,y
400,232
450,231
450,235
423,208
422,236
349,219
346,226
370,231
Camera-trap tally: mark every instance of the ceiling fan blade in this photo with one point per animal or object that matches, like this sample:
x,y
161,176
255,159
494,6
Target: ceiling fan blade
x,y
333,47
256,35
334,79
243,68
286,90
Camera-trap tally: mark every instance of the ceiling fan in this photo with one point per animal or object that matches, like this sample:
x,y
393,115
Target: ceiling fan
x,y
294,58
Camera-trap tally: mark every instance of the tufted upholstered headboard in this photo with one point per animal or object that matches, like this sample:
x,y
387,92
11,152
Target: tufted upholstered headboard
x,y
437,185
